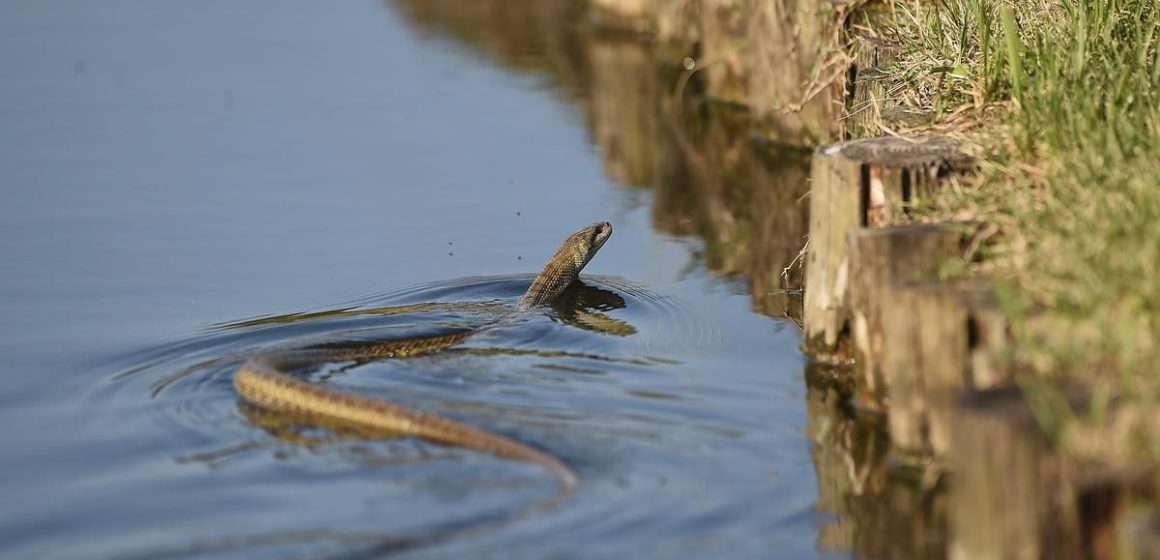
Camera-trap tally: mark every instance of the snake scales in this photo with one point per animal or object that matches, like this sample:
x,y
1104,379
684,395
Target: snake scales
x,y
265,381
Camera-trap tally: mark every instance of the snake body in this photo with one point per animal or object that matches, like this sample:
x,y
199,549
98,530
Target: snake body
x,y
264,380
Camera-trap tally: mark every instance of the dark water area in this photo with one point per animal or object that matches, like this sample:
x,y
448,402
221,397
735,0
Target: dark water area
x,y
187,183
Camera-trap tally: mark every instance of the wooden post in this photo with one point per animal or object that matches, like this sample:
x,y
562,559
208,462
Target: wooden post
x,y
858,183
869,99
1143,535
1105,498
989,340
1012,496
835,209
1016,496
926,356
880,258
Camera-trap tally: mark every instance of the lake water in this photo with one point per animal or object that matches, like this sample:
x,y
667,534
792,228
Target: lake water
x,y
185,183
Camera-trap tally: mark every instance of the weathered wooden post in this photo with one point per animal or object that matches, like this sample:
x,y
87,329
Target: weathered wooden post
x,y
1013,495
879,259
925,360
857,184
1142,530
1106,500
836,208
989,339
931,338
1017,496
869,97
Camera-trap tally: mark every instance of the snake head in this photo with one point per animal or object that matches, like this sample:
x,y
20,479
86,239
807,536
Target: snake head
x,y
586,242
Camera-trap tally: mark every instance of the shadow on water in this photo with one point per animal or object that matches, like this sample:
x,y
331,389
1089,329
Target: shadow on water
x,y
744,198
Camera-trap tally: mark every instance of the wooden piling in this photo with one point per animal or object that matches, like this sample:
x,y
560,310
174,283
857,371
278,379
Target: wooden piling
x,y
1106,500
1017,496
879,259
1142,534
868,96
1013,498
855,184
835,210
924,357
989,340
930,332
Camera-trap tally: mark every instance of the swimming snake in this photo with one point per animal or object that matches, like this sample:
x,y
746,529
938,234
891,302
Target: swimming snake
x,y
265,380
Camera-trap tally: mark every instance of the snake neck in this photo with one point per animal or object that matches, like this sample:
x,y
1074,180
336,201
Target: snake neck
x,y
564,267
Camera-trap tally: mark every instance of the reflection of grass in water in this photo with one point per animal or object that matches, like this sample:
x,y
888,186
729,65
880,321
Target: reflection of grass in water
x,y
1064,101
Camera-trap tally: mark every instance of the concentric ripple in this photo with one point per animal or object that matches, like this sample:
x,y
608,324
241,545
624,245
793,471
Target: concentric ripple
x,y
525,378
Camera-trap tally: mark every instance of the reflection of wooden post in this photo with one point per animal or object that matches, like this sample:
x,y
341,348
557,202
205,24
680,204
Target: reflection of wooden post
x,y
790,91
881,511
850,459
624,117
724,37
780,218
677,28
633,15
855,184
880,258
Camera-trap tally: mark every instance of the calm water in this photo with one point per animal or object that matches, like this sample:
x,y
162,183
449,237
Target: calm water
x,y
186,182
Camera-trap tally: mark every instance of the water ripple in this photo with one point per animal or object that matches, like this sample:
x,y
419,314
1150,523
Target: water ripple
x,y
554,378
